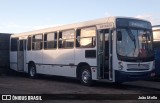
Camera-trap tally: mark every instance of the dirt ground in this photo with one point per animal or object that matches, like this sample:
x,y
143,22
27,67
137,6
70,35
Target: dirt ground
x,y
17,83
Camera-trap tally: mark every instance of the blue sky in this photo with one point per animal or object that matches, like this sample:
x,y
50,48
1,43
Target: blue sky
x,y
25,15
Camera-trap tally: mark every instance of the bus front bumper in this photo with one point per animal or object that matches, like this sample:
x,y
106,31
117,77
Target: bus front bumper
x,y
121,76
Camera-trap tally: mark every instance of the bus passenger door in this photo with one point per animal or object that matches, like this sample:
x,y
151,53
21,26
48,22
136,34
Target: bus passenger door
x,y
21,55
104,53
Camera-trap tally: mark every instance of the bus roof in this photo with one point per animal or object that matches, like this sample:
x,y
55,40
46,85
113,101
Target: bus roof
x,y
72,26
155,27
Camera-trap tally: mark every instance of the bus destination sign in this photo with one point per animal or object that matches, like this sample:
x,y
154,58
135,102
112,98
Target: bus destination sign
x,y
105,26
138,24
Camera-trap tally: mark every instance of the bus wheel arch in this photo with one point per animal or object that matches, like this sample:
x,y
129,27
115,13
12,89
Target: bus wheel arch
x,y
84,74
32,70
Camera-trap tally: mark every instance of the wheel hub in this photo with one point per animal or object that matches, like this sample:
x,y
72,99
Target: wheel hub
x,y
85,76
32,71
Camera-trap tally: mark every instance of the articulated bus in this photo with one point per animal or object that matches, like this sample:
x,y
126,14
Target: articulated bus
x,y
113,49
156,44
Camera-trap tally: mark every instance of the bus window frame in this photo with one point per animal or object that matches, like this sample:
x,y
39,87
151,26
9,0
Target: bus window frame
x,y
58,35
27,43
34,41
15,50
96,33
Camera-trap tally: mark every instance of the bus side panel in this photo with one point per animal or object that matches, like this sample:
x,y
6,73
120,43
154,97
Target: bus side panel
x,y
37,56
13,60
80,57
49,61
65,63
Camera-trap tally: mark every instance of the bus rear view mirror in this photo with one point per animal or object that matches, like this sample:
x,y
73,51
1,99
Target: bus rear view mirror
x,y
119,36
146,35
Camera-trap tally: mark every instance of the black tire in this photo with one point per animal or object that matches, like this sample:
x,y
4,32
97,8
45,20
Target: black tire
x,y
32,71
86,76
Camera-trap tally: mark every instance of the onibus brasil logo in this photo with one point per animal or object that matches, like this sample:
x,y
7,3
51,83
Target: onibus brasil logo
x,y
18,97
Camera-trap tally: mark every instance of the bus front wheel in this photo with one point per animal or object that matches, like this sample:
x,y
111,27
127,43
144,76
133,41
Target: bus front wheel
x,y
86,76
32,71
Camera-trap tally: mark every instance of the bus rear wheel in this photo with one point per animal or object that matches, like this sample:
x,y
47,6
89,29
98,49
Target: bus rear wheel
x,y
86,76
32,71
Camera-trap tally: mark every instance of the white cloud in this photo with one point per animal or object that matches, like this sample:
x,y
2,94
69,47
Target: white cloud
x,y
151,18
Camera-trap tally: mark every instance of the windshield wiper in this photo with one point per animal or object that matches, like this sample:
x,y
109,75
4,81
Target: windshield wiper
x,y
131,34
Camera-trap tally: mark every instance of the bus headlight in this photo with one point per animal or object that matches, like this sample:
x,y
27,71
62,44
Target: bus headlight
x,y
120,65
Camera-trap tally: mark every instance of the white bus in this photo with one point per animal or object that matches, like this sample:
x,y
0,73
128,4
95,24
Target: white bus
x,y
114,49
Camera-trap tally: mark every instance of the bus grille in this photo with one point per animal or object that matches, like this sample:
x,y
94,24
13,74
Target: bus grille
x,y
137,67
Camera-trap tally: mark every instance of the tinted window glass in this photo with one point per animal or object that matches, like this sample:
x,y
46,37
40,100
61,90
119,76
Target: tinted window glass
x,y
29,43
21,48
14,44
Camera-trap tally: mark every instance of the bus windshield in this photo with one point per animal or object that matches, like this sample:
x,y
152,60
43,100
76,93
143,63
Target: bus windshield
x,y
134,44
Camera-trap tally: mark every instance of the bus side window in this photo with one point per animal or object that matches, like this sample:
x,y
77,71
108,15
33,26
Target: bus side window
x,y
86,37
29,43
37,42
50,40
14,44
60,40
66,39
78,38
